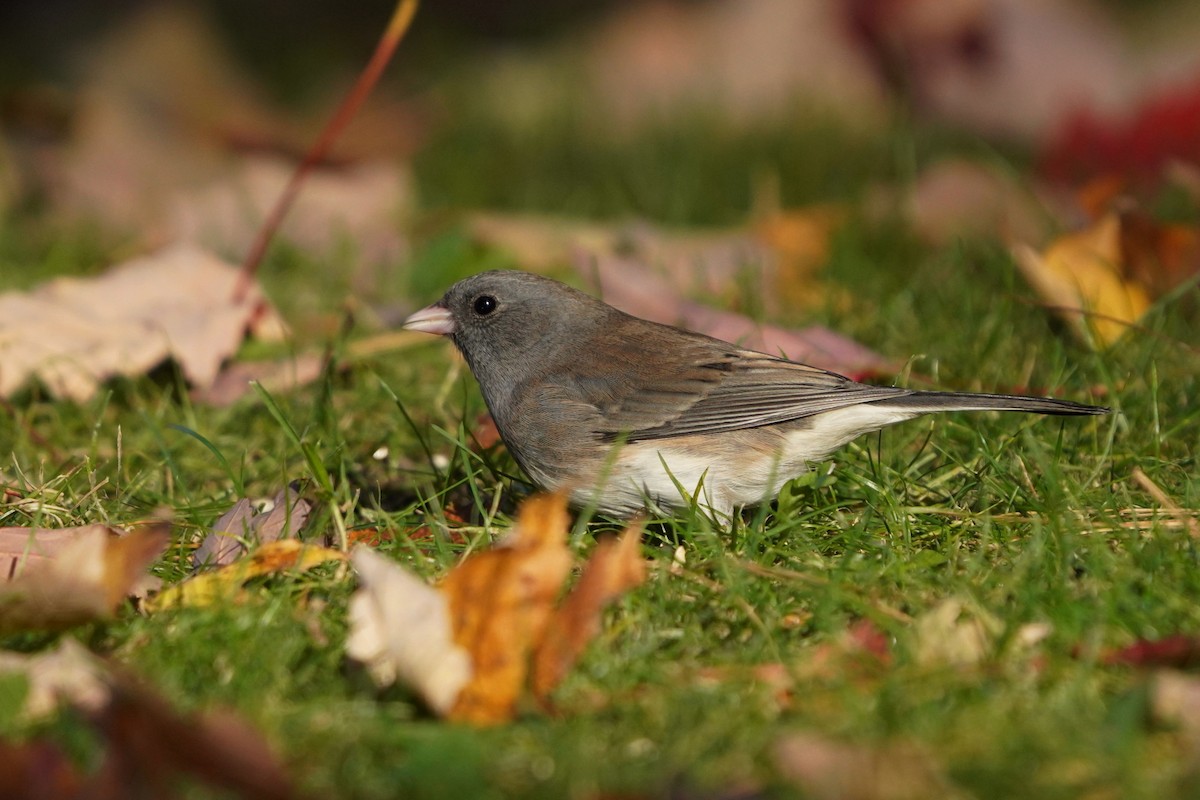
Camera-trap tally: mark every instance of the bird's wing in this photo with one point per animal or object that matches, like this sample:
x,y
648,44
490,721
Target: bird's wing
x,y
707,386
760,390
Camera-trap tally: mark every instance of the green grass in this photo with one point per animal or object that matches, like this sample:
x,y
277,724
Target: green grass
x,y
1020,517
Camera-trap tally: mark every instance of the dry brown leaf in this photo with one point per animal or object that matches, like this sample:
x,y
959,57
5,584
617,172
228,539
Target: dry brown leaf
x,y
20,547
277,377
400,630
466,647
363,203
1082,277
39,769
613,569
149,743
159,142
73,333
226,585
67,674
85,581
825,769
143,745
224,544
500,603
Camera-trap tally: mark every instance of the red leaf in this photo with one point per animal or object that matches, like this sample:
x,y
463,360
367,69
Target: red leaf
x,y
1179,651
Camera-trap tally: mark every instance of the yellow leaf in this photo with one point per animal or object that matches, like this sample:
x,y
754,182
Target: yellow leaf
x,y
1081,276
226,583
800,239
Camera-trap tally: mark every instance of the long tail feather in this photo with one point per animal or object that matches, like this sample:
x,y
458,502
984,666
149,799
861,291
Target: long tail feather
x,y
966,401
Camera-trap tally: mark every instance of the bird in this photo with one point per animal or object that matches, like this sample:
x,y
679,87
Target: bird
x,y
626,415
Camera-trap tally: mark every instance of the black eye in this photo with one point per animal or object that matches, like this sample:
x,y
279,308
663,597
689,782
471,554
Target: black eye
x,y
484,305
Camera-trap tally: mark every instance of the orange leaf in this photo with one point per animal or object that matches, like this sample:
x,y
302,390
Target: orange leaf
x,y
500,603
1081,276
616,567
469,647
1157,255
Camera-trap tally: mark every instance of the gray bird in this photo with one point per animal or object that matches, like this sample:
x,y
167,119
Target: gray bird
x,y
623,412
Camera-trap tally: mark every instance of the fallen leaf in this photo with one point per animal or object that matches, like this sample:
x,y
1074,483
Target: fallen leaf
x,y
400,629
956,198
860,651
233,382
67,674
40,770
751,58
1179,652
1175,701
143,744
484,433
224,544
470,647
73,333
954,633
363,203
170,141
369,537
148,743
1139,146
501,601
1081,277
85,581
226,584
613,569
20,547
1158,256
826,769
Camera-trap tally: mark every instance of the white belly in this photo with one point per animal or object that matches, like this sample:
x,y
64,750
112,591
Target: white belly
x,y
723,471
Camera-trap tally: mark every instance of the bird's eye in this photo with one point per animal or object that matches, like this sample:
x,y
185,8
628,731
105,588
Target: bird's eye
x,y
485,304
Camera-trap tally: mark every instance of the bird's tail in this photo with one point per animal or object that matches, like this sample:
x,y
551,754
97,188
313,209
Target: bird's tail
x,y
927,402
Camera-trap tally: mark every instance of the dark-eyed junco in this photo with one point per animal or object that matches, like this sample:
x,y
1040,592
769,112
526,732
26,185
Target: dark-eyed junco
x,y
624,412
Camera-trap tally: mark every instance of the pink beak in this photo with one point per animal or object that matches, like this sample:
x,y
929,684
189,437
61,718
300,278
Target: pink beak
x,y
431,319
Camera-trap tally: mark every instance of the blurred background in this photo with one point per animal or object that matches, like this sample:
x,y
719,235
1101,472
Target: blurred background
x,y
126,124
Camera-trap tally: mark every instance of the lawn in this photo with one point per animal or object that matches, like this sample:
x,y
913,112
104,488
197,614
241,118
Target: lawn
x,y
942,599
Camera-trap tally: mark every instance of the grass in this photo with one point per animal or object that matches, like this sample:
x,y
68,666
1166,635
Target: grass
x,y
1020,518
